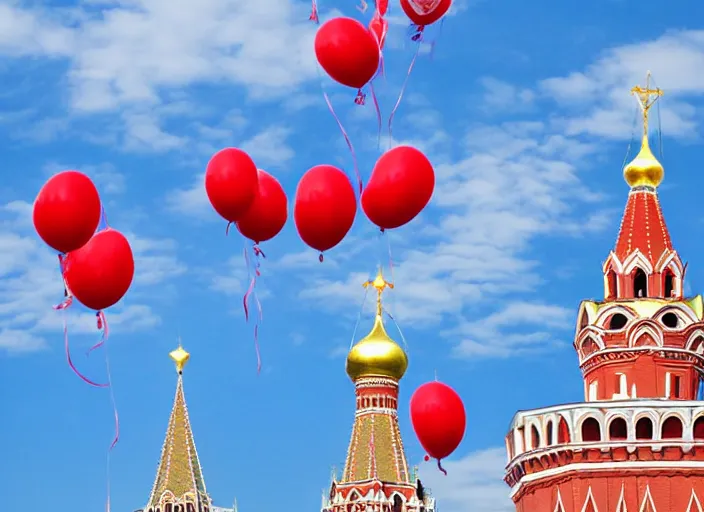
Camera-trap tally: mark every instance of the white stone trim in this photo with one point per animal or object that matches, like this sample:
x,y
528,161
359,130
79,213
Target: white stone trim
x,y
587,467
647,500
589,499
694,501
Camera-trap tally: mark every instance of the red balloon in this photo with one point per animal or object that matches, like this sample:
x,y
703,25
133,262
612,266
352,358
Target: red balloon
x,y
378,27
425,12
231,183
400,186
438,418
382,6
67,211
267,215
325,207
347,51
99,274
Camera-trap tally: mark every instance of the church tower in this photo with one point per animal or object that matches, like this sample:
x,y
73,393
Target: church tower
x,y
376,477
179,485
636,444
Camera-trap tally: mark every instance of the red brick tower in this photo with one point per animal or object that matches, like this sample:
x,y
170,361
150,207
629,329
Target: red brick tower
x,y
376,476
637,442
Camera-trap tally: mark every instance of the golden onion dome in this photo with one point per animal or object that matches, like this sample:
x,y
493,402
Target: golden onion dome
x,y
644,169
377,355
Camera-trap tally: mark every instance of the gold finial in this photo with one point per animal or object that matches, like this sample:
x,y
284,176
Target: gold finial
x,y
377,354
380,284
645,170
180,357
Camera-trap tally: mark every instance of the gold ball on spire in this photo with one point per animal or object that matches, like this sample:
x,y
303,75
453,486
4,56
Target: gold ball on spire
x,y
180,357
644,169
377,355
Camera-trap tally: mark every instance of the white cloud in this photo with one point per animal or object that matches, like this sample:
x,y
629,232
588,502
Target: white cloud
x,y
598,103
30,284
127,52
473,483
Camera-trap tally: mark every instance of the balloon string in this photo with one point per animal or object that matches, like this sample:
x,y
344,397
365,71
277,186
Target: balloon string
x,y
378,115
434,42
441,468
403,88
314,12
251,292
102,326
403,338
68,356
103,220
347,140
116,438
227,228
342,128
359,316
362,7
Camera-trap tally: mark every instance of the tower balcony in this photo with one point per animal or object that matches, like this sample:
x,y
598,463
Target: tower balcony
x,y
553,442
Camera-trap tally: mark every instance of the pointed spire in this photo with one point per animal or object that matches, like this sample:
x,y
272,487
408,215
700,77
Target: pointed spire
x,y
179,475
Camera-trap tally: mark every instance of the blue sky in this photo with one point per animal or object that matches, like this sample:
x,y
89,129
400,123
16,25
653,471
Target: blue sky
x,y
523,109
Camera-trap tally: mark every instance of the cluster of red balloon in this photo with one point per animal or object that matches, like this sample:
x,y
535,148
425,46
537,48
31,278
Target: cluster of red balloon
x,y
439,420
97,265
325,207
250,198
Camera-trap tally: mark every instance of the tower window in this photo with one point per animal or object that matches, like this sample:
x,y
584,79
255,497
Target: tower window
x,y
672,428
699,428
534,438
612,284
617,322
676,386
640,283
618,430
548,432
669,284
591,432
670,320
563,431
644,429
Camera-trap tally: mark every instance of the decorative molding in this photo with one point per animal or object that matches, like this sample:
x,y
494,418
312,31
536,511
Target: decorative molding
x,y
559,507
589,500
694,501
648,505
621,505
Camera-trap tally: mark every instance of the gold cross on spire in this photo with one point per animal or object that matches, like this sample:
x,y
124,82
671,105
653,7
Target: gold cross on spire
x,y
380,284
180,357
646,98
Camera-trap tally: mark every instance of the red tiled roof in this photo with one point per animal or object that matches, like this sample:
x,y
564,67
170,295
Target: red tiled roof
x,y
643,227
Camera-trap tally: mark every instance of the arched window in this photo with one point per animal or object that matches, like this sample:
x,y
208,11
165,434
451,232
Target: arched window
x,y
618,430
644,429
398,503
591,432
698,429
640,283
534,438
548,433
589,346
563,431
668,285
672,428
612,284
616,322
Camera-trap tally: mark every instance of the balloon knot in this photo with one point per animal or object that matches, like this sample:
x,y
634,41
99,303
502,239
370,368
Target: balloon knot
x,y
99,320
359,99
383,230
441,468
426,458
313,15
320,257
257,251
418,34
